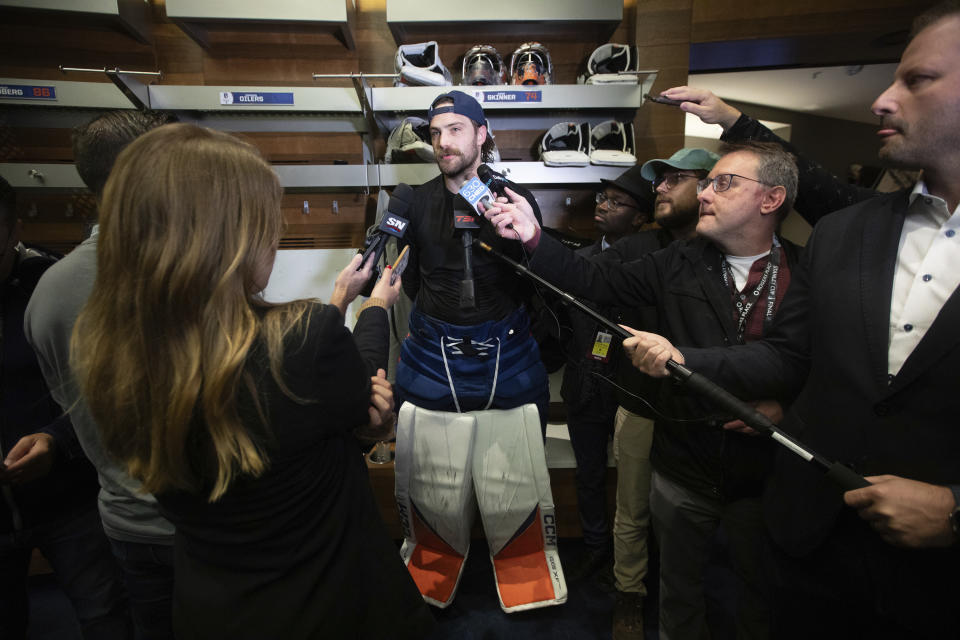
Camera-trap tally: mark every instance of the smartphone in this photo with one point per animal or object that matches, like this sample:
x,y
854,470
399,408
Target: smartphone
x,y
399,264
661,100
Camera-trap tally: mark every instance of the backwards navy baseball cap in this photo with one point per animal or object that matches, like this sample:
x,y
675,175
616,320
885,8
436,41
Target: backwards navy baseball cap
x,y
463,105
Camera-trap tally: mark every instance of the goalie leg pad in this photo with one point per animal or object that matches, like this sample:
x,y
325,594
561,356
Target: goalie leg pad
x,y
434,491
516,506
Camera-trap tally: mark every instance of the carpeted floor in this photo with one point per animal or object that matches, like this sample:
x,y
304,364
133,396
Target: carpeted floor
x,y
475,613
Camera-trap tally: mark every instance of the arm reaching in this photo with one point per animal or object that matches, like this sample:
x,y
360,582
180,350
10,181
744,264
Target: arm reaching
x,y
705,105
514,218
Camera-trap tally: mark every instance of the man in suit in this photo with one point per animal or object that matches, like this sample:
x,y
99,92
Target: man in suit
x,y
867,348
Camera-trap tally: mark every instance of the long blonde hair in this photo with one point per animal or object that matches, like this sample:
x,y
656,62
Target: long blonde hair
x,y
190,218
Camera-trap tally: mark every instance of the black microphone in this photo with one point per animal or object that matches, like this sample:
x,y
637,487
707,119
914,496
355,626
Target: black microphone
x,y
393,224
497,182
466,219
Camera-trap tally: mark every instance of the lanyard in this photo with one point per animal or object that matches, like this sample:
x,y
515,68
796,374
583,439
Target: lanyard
x,y
768,280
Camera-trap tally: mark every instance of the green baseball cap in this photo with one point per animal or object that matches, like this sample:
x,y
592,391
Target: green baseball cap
x,y
688,158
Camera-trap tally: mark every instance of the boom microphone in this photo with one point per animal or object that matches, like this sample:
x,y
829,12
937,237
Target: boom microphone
x,y
840,474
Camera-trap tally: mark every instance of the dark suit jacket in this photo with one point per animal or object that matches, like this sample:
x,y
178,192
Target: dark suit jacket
x,y
829,342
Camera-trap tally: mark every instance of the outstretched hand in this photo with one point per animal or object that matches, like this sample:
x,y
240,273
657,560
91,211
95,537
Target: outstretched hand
x,y
513,218
704,104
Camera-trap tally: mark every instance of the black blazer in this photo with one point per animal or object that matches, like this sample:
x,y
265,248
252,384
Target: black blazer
x,y
829,342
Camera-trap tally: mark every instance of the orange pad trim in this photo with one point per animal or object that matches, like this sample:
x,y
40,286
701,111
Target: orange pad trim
x,y
434,565
522,572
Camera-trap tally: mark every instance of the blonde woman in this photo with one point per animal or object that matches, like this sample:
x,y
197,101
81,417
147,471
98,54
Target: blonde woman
x,y
238,414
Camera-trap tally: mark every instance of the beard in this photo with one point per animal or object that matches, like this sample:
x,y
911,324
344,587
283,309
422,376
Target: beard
x,y
920,144
460,162
672,216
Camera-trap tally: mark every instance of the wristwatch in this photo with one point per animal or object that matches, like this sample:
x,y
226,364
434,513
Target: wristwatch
x,y
955,522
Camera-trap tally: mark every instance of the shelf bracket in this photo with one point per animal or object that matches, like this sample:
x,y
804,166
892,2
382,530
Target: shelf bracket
x,y
132,88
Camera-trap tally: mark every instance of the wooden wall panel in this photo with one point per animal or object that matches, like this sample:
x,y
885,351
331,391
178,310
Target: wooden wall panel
x,y
663,37
715,20
288,55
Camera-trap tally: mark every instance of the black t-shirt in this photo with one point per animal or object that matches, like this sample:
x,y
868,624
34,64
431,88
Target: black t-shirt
x,y
435,271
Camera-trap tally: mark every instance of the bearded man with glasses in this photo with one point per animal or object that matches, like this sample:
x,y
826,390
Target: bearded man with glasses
x,y
722,287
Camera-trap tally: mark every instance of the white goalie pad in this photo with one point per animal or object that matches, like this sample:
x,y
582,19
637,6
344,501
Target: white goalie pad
x,y
516,506
434,491
441,457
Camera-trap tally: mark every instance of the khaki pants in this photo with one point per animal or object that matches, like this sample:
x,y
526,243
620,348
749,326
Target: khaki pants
x,y
632,438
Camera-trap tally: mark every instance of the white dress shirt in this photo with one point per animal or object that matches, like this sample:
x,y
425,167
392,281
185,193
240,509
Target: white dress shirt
x,y
927,272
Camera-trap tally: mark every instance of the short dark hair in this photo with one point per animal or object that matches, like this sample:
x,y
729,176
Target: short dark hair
x,y
8,205
775,167
97,143
934,14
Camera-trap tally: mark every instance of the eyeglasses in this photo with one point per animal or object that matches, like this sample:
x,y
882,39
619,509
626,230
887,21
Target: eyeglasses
x,y
670,179
723,182
611,203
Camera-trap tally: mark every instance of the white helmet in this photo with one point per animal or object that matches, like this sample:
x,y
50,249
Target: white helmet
x,y
482,65
566,144
607,60
420,64
530,64
611,144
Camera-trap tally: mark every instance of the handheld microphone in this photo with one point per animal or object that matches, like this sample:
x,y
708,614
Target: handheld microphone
x,y
494,180
466,218
476,193
393,224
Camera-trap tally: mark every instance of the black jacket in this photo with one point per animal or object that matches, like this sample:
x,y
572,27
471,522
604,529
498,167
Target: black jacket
x,y
680,289
433,275
830,344
26,407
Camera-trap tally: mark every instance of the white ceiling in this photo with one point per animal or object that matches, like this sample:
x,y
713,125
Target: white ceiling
x,y
836,92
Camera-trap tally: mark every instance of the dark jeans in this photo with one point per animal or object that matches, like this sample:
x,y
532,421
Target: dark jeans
x,y
78,551
148,574
590,432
